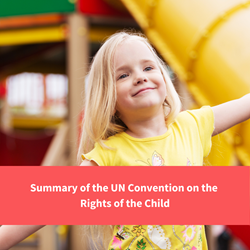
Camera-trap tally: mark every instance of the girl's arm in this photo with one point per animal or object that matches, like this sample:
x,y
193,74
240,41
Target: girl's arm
x,y
11,235
231,113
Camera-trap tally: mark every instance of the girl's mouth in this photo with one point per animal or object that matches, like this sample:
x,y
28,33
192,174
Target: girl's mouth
x,y
142,91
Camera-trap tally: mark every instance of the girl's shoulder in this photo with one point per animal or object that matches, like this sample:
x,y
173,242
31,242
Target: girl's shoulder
x,y
103,154
199,122
110,144
196,116
114,139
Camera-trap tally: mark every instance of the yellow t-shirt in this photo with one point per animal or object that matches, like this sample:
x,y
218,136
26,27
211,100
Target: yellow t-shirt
x,y
142,237
186,142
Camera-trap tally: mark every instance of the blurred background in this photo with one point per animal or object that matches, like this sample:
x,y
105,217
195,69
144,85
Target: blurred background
x,y
46,48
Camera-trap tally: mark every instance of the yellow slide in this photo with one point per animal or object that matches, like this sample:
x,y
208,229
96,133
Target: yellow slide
x,y
207,43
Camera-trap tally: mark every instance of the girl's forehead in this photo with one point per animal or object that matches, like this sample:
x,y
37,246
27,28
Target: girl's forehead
x,y
132,45
131,50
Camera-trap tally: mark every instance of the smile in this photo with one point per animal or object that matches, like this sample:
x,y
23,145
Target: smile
x,y
143,91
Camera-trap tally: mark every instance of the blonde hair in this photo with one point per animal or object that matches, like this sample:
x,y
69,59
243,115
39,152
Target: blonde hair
x,y
99,121
98,236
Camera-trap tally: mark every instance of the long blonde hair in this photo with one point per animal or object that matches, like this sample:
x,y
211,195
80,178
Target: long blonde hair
x,y
97,236
99,121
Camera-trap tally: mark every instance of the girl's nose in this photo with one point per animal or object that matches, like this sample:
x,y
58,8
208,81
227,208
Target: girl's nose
x,y
140,80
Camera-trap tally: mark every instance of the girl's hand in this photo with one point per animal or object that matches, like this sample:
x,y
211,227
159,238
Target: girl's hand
x,y
231,113
11,235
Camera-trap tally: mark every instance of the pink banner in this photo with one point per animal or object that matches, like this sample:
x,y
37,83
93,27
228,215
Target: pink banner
x,y
125,195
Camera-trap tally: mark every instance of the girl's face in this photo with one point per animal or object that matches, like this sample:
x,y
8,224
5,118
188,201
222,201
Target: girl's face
x,y
139,83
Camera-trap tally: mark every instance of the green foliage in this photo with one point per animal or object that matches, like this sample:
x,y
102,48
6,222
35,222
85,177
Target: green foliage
x,y
141,245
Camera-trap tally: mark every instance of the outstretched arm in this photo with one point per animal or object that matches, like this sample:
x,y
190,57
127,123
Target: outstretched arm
x,y
231,113
11,235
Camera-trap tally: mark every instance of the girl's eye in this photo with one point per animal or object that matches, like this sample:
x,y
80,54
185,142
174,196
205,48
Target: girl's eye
x,y
122,76
148,68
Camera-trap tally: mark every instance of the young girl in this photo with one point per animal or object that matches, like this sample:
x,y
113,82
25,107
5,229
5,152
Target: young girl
x,y
132,117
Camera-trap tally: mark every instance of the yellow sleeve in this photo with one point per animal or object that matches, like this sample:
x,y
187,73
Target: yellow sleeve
x,y
98,155
204,118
